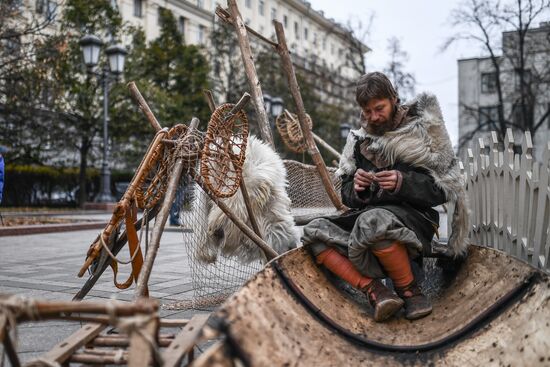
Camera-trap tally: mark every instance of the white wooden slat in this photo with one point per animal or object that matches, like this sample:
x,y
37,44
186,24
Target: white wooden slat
x,y
523,199
494,186
508,167
543,209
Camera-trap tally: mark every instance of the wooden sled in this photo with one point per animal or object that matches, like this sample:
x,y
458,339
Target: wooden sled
x,y
493,311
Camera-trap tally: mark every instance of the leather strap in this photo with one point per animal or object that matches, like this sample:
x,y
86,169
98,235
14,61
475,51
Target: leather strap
x,y
133,246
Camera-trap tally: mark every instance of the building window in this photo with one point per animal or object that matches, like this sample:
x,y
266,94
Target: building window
x,y
305,33
314,39
522,116
181,25
201,34
159,16
248,4
138,8
285,20
488,114
200,3
261,6
273,13
297,30
526,79
13,43
488,82
324,43
40,6
262,29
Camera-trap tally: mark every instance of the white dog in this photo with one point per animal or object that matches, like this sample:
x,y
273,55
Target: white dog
x,y
264,174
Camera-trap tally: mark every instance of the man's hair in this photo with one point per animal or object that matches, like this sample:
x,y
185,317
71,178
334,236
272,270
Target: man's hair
x,y
374,85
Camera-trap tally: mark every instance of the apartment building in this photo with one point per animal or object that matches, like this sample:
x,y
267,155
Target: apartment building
x,y
478,92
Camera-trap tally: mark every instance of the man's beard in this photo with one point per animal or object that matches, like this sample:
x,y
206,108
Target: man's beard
x,y
397,116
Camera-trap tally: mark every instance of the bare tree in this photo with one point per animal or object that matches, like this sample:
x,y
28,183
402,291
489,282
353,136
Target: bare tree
x,y
358,32
403,81
506,31
20,31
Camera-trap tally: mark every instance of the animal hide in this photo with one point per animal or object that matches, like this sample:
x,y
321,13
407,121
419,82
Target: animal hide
x,y
423,142
265,177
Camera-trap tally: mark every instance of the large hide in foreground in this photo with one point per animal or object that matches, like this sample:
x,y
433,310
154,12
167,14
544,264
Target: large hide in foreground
x,y
494,312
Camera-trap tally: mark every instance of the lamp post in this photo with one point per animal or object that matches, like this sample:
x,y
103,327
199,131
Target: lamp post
x,y
345,128
273,106
116,54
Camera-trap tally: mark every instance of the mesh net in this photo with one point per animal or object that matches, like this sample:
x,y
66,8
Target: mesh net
x,y
216,276
212,282
306,190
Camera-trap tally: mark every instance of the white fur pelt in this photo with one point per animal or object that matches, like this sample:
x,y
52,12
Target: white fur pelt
x,y
422,142
265,177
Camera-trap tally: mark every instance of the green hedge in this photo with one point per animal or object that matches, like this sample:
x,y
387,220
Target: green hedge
x,y
34,185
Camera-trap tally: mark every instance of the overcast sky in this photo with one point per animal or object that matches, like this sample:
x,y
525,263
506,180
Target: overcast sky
x,y
422,27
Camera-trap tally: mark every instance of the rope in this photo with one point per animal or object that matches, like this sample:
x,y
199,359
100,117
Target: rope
x,y
12,308
134,324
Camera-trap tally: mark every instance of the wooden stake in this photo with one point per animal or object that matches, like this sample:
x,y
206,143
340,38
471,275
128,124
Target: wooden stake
x,y
268,251
288,69
143,106
326,145
160,222
141,352
250,70
209,99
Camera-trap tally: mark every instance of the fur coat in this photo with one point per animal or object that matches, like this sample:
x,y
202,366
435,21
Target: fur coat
x,y
422,142
264,174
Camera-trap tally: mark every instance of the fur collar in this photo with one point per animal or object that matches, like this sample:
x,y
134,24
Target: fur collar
x,y
422,142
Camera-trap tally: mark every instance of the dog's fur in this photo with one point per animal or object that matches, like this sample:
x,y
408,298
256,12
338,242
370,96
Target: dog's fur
x,y
422,142
265,177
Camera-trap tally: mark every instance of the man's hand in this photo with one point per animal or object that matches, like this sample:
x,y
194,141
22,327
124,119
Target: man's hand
x,y
387,179
362,179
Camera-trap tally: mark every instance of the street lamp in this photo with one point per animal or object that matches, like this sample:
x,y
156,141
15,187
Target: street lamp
x,y
273,106
116,55
276,106
345,128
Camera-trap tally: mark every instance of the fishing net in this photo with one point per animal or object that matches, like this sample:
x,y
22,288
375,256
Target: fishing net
x,y
217,276
306,190
219,164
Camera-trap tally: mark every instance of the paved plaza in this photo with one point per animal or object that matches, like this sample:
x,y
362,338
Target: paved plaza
x,y
44,266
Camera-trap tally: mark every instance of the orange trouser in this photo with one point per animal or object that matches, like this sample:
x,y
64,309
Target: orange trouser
x,y
394,260
343,268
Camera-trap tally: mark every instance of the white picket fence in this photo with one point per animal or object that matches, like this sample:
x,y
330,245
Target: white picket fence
x,y
509,197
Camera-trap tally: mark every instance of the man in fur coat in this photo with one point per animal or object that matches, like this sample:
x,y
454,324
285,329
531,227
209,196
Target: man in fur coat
x,y
395,169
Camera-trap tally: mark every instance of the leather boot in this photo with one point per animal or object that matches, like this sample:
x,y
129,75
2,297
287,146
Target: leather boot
x,y
417,305
385,302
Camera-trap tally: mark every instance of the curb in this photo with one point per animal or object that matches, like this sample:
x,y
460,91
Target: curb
x,y
49,228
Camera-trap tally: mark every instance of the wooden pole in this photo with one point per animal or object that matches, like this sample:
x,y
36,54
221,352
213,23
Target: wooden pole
x,y
268,251
160,222
252,76
209,99
104,264
326,145
288,69
143,106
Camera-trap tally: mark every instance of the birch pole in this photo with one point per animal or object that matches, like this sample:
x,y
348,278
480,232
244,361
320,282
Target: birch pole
x,y
282,50
251,74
